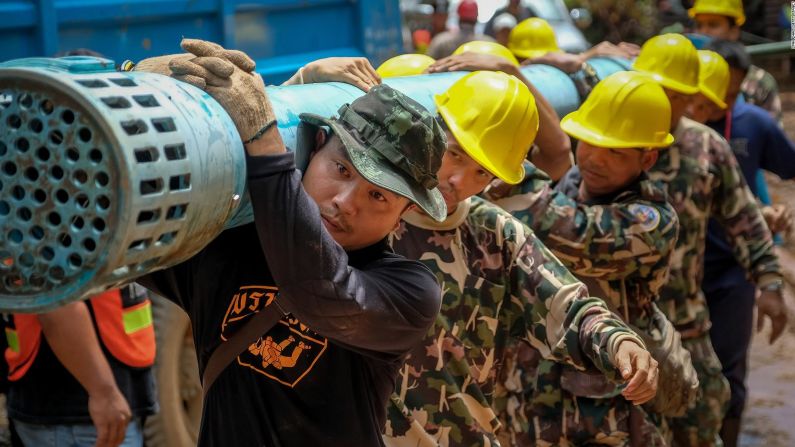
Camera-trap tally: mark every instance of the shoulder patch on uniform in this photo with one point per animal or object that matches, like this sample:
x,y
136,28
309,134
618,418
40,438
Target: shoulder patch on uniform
x,y
648,217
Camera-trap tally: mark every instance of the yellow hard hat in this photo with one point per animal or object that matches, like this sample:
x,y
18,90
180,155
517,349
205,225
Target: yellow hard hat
x,y
404,65
625,110
672,60
494,118
483,47
713,76
531,38
730,8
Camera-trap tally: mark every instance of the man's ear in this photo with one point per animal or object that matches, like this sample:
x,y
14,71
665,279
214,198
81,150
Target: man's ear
x,y
734,32
411,207
320,139
649,158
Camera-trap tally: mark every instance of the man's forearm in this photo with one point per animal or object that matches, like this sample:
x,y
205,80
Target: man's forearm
x,y
70,333
740,215
601,332
751,240
554,155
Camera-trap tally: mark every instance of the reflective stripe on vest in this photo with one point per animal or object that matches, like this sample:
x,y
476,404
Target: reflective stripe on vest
x,y
124,324
24,339
124,320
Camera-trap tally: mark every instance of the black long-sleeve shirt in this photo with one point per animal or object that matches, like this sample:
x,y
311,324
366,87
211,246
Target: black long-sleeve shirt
x,y
323,374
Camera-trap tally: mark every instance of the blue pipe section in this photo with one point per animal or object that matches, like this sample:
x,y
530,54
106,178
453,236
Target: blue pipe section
x,y
142,127
605,66
325,99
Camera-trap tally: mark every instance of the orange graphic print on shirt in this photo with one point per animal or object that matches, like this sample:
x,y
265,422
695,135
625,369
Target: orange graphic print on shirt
x,y
287,352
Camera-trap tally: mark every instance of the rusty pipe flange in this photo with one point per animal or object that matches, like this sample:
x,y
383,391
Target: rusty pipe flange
x,y
104,177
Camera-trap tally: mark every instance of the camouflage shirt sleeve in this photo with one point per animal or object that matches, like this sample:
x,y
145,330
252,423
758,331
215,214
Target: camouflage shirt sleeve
x,y
605,241
772,103
739,214
558,317
760,88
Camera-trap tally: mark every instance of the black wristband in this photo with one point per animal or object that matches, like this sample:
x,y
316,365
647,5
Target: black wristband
x,y
261,132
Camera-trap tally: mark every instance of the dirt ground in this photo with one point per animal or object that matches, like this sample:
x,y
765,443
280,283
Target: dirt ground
x,y
770,416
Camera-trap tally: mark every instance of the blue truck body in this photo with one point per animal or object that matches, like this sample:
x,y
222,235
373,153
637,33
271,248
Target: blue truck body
x,y
281,35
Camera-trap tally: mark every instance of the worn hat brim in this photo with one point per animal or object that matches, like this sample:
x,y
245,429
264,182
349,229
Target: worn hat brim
x,y
379,171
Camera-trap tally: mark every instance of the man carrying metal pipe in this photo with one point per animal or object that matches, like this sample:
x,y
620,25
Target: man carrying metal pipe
x,y
500,284
613,228
347,309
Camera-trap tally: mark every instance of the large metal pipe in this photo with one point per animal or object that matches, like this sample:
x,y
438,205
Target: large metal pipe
x,y
772,49
106,176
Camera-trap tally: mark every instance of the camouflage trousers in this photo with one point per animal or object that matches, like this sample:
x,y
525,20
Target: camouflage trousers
x,y
593,422
701,424
544,414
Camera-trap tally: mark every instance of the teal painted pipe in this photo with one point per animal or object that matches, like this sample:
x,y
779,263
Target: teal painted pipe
x,y
106,176
772,49
290,101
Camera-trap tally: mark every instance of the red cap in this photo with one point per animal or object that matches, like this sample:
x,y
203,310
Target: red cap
x,y
422,37
468,10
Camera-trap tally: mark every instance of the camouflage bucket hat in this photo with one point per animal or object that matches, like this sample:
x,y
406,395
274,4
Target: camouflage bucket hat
x,y
394,143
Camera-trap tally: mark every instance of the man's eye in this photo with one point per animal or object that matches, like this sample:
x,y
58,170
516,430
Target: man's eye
x,y
378,196
342,169
484,174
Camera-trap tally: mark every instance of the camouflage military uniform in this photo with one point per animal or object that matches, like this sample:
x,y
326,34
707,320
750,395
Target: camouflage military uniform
x,y
498,284
760,88
620,247
549,415
703,180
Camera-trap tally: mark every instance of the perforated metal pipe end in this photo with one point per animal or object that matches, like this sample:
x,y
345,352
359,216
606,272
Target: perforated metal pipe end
x,y
106,176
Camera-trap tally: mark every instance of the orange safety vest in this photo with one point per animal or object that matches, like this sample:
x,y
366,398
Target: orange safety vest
x,y
123,319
